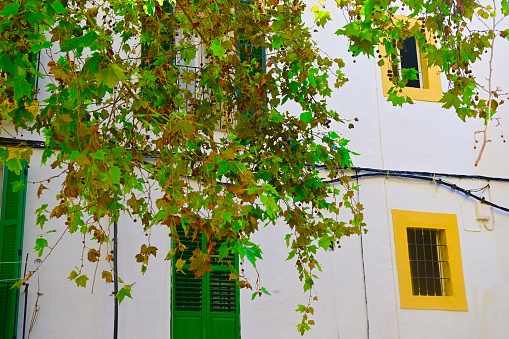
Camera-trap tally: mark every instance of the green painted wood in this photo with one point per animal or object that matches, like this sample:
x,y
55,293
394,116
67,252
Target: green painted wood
x,y
188,327
11,240
206,308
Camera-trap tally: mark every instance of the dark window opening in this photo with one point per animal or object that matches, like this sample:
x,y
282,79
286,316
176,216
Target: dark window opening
x,y
427,254
409,55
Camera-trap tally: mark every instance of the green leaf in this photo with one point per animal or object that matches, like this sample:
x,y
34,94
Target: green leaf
x,y
301,308
271,207
110,76
505,7
59,8
409,73
14,165
333,135
18,186
325,242
18,283
41,45
9,9
223,168
125,291
217,48
188,54
99,155
287,239
396,99
73,275
81,281
115,174
306,117
311,79
303,327
291,254
7,64
40,245
252,252
321,17
277,42
80,42
265,291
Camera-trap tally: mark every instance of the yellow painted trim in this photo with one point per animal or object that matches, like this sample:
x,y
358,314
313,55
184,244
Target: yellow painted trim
x,y
432,82
456,299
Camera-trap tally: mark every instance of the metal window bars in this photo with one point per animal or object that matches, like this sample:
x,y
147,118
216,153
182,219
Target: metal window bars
x,y
427,253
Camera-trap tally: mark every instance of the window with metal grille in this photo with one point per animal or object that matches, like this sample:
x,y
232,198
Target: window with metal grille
x,y
428,261
428,264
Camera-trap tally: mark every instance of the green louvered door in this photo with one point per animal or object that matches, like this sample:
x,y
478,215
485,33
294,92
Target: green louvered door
x,y
11,240
206,308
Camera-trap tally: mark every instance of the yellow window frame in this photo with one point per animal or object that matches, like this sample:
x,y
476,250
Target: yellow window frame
x,y
447,224
432,91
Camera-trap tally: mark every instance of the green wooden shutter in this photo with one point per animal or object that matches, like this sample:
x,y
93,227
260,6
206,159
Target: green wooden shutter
x,y
188,314
11,240
224,315
224,320
206,308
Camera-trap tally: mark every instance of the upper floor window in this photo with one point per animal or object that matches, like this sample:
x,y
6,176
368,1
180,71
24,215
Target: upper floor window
x,y
424,83
410,59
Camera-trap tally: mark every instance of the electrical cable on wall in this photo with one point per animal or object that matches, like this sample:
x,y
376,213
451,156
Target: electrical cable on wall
x,y
436,178
432,177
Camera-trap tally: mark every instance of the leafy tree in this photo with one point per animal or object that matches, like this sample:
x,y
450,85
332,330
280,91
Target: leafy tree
x,y
129,110
126,115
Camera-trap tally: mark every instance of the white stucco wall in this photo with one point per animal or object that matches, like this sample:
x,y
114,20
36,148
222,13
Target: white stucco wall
x,y
358,290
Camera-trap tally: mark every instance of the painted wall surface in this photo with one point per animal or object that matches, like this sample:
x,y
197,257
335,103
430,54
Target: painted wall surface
x,y
358,290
